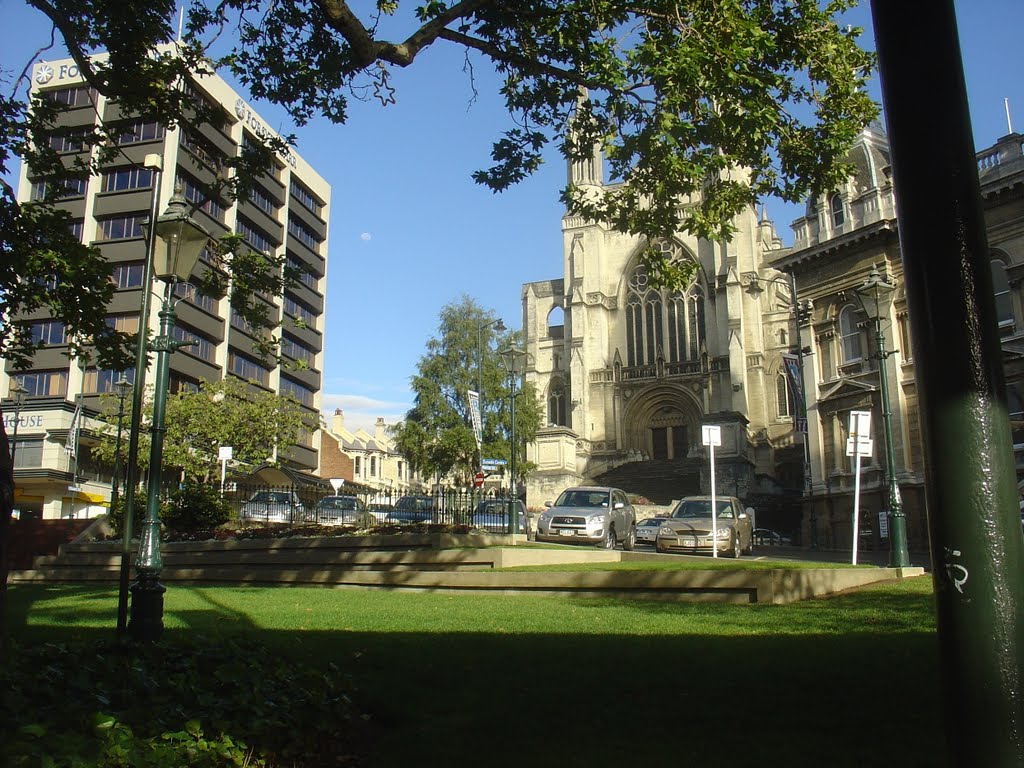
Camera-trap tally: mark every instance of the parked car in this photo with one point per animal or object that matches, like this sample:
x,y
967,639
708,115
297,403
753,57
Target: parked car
x,y
647,530
342,510
590,515
274,507
689,527
492,515
412,509
766,536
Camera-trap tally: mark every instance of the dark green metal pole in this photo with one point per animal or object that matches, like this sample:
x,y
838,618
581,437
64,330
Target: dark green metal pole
x,y
899,555
147,592
976,543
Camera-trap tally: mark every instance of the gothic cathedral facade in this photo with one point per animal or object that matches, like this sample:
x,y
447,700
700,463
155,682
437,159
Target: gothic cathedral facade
x,y
630,373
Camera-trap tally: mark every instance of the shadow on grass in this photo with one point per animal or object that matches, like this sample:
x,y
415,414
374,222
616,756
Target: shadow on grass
x,y
758,687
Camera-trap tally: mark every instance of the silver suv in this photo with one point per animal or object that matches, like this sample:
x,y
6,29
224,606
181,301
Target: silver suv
x,y
591,515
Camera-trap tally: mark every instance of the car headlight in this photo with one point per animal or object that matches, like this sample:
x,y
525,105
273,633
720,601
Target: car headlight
x,y
545,518
666,531
596,520
724,533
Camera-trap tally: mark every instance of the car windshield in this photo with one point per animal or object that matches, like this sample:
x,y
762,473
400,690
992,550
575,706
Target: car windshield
x,y
271,497
691,508
652,522
339,502
581,498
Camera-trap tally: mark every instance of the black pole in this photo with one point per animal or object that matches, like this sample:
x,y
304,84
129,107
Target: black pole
x,y
976,544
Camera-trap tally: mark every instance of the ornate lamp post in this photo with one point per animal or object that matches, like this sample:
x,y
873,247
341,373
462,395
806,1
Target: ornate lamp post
x,y
875,295
181,242
801,315
122,388
500,327
17,391
513,357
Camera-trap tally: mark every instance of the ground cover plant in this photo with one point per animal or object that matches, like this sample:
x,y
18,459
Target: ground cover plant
x,y
498,680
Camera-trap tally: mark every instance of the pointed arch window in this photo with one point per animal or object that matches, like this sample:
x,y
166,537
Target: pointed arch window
x,y
659,323
784,395
557,412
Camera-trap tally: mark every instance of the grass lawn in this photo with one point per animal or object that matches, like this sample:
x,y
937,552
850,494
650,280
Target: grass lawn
x,y
461,680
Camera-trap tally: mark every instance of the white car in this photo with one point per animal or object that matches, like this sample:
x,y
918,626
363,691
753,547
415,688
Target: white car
x,y
647,530
589,515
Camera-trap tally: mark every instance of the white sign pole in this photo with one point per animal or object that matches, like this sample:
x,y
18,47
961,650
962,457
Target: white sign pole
x,y
859,445
224,454
711,435
856,503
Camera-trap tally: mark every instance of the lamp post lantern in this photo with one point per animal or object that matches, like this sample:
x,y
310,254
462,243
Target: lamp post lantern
x,y
500,327
513,356
17,391
181,240
122,388
875,295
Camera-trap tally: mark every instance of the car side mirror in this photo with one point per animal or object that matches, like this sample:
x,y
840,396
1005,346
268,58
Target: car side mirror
x,y
549,503
743,515
618,505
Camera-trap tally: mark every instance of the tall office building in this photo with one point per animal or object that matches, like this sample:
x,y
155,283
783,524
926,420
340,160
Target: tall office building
x,y
285,214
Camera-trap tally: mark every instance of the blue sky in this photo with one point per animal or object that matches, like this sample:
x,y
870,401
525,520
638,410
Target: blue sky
x,y
410,231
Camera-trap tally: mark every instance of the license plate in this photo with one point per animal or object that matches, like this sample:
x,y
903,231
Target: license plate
x,y
564,532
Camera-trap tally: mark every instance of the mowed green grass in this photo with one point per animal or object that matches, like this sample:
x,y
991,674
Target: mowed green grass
x,y
508,680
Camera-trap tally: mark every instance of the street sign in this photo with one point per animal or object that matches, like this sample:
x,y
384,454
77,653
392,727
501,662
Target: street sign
x,y
860,447
478,479
711,434
492,463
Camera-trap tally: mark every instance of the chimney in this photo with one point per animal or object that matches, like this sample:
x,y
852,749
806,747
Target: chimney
x,y
378,430
338,422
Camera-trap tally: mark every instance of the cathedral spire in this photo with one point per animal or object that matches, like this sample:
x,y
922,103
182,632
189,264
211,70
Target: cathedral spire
x,y
587,171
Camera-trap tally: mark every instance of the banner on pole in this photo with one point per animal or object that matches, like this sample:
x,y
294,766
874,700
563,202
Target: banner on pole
x,y
474,414
796,386
71,446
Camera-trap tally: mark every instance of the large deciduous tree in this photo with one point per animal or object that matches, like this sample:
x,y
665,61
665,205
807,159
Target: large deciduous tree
x,y
437,434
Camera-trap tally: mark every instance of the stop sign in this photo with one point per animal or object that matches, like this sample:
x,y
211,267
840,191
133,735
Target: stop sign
x,y
478,479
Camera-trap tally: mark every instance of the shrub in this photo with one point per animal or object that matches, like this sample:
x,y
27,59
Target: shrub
x,y
195,701
116,514
195,506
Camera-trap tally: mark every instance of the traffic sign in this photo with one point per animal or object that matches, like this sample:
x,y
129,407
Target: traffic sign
x,y
478,479
485,463
863,446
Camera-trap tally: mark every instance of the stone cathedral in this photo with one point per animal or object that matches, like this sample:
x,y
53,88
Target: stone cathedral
x,y
630,373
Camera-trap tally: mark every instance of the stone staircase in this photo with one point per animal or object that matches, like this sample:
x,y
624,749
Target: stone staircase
x,y
659,481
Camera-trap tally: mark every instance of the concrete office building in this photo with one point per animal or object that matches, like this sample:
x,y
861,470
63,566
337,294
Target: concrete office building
x,y
285,214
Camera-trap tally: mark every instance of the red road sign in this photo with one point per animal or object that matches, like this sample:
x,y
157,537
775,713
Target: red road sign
x,y
478,479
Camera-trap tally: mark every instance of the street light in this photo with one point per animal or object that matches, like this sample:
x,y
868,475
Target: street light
x,y
875,296
17,391
122,388
499,326
513,356
801,314
154,163
181,240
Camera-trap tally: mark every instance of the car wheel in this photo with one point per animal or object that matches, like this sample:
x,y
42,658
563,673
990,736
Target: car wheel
x,y
736,552
629,543
609,538
750,546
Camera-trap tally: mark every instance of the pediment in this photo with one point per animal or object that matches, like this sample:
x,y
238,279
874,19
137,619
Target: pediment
x,y
845,388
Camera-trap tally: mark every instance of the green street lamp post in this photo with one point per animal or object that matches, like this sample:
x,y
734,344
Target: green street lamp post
x,y
122,388
17,391
876,295
181,242
513,357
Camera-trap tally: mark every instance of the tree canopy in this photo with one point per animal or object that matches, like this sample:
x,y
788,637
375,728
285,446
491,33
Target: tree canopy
x,y
702,108
437,434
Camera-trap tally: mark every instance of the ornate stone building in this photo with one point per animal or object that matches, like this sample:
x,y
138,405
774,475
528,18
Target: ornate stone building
x,y
630,373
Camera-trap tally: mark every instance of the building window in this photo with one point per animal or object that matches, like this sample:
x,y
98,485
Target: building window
x,y
300,312
186,291
98,381
127,275
654,315
297,350
373,466
557,411
122,179
197,194
306,197
124,323
198,346
246,368
68,141
58,190
835,204
300,392
851,335
121,227
140,130
262,200
303,234
44,383
47,333
305,276
257,239
357,464
75,96
1004,300
29,453
784,395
